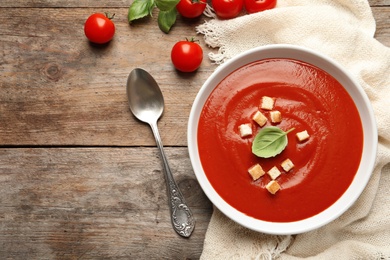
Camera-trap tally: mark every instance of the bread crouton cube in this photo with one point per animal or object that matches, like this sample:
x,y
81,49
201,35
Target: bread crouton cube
x,y
276,116
273,187
302,136
274,173
256,171
260,118
245,130
267,103
287,165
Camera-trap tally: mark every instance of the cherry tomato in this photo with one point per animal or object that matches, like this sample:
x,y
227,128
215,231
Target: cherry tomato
x,y
191,8
227,9
99,28
254,6
187,55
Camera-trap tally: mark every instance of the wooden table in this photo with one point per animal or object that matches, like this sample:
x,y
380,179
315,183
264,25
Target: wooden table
x,y
80,177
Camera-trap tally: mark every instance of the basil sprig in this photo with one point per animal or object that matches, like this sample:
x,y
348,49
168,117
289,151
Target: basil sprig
x,y
166,16
270,141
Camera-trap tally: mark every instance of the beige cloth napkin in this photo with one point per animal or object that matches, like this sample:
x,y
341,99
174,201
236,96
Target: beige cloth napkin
x,y
343,30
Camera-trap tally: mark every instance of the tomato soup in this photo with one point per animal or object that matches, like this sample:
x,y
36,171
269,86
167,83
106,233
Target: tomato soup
x,y
309,99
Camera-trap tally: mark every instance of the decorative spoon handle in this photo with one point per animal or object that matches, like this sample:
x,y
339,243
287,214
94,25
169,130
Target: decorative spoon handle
x,y
183,221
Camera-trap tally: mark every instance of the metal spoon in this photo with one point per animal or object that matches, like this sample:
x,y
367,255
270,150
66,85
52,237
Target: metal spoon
x,y
147,104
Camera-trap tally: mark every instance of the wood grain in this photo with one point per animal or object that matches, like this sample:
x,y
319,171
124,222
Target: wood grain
x,y
382,18
99,3
94,202
57,89
80,177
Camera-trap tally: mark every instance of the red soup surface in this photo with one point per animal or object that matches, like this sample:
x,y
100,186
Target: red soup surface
x,y
308,99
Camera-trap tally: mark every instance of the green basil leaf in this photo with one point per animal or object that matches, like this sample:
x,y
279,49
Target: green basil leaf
x,y
140,8
270,141
166,5
166,19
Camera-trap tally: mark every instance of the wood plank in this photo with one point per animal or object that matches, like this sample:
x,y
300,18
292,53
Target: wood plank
x,y
57,89
65,4
101,4
382,18
379,2
95,203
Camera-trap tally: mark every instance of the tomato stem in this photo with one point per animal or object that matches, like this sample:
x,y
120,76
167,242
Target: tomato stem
x,y
192,39
109,15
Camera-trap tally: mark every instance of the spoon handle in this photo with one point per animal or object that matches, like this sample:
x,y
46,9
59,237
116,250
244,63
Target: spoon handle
x,y
182,219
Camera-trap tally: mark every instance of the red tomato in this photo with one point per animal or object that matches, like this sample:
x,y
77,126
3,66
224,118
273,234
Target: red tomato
x,y
254,6
186,56
191,8
99,28
227,9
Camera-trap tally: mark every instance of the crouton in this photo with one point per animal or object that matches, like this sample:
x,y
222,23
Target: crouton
x,y
274,173
276,116
287,165
273,187
302,136
256,171
245,130
259,118
267,103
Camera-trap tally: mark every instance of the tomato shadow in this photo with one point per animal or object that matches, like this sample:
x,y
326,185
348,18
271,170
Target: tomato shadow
x,y
185,75
191,21
99,45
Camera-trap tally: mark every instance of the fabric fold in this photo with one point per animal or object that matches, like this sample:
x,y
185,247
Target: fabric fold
x,y
344,31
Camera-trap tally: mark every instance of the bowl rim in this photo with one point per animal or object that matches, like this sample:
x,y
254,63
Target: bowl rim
x,y
370,138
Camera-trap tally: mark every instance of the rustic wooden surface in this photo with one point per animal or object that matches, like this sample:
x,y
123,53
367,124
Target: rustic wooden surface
x,y
80,178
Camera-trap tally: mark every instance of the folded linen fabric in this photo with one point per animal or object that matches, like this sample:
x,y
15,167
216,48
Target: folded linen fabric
x,y
343,30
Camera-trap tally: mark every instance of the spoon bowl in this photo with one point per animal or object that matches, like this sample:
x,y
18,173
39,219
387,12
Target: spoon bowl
x,y
146,102
145,98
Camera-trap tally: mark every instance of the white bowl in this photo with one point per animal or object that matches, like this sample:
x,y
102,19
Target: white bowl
x,y
370,138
